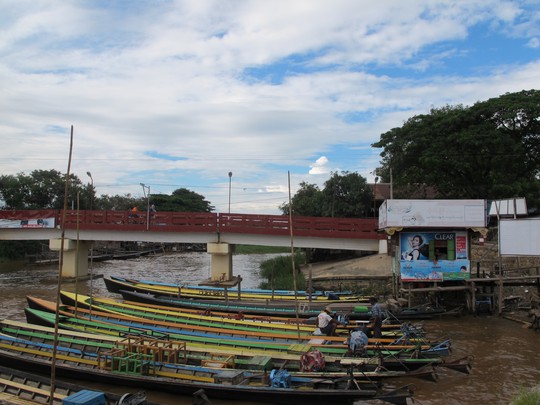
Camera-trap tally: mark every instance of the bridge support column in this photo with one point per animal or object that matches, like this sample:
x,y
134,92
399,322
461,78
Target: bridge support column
x,y
75,261
221,263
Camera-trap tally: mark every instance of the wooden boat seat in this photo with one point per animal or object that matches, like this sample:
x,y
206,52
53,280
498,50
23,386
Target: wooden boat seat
x,y
218,361
316,341
28,388
229,377
299,348
260,363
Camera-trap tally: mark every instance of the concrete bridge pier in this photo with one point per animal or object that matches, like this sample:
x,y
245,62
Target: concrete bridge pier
x,y
221,261
75,261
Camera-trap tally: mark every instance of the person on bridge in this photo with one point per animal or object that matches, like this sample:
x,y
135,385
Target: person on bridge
x,y
134,214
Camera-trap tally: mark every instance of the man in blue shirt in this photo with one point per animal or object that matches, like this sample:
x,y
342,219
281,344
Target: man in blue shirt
x,y
376,317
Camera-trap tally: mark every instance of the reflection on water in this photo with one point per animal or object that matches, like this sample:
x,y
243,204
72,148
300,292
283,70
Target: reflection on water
x,y
505,355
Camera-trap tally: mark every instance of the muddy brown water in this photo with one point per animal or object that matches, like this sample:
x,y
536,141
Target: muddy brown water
x,y
505,355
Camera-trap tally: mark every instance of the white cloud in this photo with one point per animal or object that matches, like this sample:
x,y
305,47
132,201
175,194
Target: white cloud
x,y
161,92
320,166
533,43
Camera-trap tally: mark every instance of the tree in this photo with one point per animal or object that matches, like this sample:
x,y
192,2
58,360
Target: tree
x,y
487,151
118,202
347,195
44,189
181,200
308,201
39,190
344,195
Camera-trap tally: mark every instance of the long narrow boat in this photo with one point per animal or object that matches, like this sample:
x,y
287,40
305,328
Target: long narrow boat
x,y
116,284
291,355
216,336
126,368
22,387
200,356
222,320
217,286
287,334
217,306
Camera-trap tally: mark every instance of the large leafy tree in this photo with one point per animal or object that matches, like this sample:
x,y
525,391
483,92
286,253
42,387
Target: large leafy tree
x,y
183,200
41,189
347,195
489,150
344,195
308,201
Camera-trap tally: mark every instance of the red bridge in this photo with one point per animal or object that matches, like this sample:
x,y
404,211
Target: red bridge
x,y
218,231
210,227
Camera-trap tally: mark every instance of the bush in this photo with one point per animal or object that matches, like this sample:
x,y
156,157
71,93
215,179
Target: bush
x,y
279,273
527,397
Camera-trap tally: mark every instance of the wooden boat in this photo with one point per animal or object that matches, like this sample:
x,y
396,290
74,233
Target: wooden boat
x,y
403,360
255,331
222,320
254,310
404,314
215,336
234,286
242,307
117,283
125,368
199,356
22,387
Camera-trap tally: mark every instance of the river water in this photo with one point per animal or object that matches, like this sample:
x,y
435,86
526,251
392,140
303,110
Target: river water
x,y
506,356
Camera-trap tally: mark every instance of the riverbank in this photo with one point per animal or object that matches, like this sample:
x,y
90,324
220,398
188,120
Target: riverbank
x,y
373,275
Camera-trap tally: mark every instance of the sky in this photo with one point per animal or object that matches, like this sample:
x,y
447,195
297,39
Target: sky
x,y
180,93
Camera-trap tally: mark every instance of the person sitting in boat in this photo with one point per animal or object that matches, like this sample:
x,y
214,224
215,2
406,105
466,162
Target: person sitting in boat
x,y
358,341
327,323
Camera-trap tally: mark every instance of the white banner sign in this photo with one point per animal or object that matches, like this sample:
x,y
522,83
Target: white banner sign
x,y
27,223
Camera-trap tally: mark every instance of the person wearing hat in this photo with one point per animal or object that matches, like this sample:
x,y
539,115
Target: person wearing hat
x,y
326,322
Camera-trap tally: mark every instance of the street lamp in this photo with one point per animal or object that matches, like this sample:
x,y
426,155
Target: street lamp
x,y
230,179
147,196
91,190
375,196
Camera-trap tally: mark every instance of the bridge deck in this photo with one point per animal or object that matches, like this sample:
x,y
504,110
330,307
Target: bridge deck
x,y
345,233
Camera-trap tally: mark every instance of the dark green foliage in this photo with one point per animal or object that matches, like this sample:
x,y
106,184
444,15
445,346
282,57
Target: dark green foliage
x,y
181,200
344,195
41,189
487,151
249,249
117,202
18,249
279,273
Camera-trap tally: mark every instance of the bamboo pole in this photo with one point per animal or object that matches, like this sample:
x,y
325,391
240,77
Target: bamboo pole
x,y
292,259
60,264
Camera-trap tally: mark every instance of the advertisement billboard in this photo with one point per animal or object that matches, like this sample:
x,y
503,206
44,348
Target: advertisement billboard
x,y
432,213
434,256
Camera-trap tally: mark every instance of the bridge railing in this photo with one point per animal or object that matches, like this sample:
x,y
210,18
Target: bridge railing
x,y
364,228
359,228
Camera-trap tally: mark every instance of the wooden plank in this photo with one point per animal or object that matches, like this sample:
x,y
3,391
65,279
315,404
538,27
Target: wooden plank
x,y
29,388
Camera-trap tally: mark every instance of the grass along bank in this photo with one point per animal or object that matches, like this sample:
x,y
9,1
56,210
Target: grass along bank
x,y
279,273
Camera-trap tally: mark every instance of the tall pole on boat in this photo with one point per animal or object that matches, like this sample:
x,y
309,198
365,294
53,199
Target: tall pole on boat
x,y
147,196
292,259
91,190
60,265
230,179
